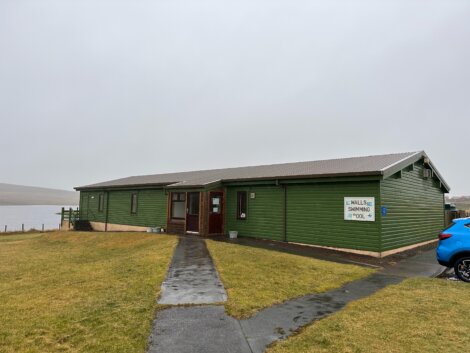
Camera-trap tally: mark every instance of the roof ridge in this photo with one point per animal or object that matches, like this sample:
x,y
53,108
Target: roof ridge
x,y
275,164
359,165
403,159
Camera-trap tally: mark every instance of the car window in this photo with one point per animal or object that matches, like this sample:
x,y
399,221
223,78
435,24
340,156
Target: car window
x,y
450,226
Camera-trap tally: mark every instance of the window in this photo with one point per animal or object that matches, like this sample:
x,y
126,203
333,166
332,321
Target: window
x,y
427,173
101,203
134,203
178,205
215,204
193,203
241,205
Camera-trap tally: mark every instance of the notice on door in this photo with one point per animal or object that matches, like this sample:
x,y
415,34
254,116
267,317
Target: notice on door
x,y
359,209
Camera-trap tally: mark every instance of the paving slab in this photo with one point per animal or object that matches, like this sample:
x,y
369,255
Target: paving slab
x,y
424,264
282,320
197,329
192,277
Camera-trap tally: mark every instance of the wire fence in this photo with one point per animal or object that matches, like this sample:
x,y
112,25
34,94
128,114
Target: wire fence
x,y
42,227
451,215
17,219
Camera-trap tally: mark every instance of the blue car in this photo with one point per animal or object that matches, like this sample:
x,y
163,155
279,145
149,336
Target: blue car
x,y
454,248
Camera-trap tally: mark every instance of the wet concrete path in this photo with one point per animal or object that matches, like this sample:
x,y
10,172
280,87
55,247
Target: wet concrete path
x,y
192,277
197,329
282,320
208,329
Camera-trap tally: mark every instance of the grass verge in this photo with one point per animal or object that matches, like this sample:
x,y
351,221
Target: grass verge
x,y
418,315
80,292
257,278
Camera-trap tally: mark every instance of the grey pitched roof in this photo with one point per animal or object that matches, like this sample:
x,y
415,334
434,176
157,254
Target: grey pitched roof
x,y
369,165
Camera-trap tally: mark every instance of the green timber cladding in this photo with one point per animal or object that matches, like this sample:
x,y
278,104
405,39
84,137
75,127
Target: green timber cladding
x,y
264,212
89,206
314,212
296,208
416,208
305,213
323,205
151,207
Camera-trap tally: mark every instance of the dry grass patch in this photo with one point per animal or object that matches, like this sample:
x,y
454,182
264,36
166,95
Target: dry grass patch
x,y
418,315
80,292
257,278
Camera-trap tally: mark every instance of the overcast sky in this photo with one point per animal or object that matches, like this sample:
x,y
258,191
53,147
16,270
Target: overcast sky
x,y
96,90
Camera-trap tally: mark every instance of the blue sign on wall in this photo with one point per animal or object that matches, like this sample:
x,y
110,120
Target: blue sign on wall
x,y
384,210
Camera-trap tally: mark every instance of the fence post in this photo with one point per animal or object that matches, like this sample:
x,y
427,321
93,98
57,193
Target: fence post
x,y
70,217
22,227
43,227
5,228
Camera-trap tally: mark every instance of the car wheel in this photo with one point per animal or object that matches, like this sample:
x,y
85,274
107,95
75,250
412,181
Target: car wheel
x,y
462,268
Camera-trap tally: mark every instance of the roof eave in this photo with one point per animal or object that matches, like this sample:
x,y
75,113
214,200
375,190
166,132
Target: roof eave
x,y
439,176
194,186
306,176
400,165
177,185
124,186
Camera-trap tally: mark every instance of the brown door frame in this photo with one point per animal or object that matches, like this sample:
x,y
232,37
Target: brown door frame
x,y
221,213
198,215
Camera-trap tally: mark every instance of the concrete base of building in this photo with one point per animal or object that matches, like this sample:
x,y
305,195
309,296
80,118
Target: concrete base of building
x,y
372,253
101,227
66,226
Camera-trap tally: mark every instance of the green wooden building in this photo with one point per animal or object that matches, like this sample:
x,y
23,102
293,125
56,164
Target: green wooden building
x,y
374,205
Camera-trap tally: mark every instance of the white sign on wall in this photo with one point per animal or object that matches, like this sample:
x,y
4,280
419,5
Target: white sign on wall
x,y
359,209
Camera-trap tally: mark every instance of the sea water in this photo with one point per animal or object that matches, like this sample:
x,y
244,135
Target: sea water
x,y
31,216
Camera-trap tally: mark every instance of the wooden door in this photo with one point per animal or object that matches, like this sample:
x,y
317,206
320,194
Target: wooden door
x,y
216,212
192,212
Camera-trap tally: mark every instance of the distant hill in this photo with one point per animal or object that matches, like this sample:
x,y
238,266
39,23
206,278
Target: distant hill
x,y
29,195
462,202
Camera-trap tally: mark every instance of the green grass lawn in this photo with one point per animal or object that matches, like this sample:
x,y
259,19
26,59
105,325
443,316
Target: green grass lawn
x,y
80,292
257,278
418,315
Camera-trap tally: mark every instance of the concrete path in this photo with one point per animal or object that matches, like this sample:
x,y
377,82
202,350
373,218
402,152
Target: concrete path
x,y
192,277
280,321
208,329
197,329
424,264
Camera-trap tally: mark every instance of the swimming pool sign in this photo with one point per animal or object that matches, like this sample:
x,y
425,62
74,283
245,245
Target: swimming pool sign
x,y
359,209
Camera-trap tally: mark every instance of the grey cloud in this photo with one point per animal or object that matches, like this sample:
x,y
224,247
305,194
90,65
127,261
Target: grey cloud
x,y
95,90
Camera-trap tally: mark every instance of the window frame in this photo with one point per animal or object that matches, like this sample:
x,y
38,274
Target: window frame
x,y
101,202
242,200
189,204
178,199
134,202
